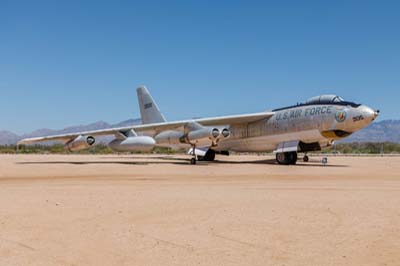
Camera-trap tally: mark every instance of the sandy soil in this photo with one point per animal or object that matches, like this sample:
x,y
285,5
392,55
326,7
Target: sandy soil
x,y
158,210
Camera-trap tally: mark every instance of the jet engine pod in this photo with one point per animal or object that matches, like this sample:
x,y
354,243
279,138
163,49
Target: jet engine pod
x,y
80,143
170,137
136,144
203,134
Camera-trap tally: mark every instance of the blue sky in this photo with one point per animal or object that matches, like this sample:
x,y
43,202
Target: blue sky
x,y
74,62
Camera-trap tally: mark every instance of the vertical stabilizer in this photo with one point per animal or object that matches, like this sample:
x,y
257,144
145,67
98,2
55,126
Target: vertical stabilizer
x,y
149,111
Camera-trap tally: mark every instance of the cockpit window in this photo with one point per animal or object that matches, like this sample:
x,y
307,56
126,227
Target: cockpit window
x,y
338,99
324,99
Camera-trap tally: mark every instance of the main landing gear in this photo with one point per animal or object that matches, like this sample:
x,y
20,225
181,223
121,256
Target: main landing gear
x,y
286,158
208,157
305,158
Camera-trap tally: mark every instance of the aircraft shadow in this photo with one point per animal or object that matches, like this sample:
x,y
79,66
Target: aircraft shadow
x,y
104,162
181,161
273,162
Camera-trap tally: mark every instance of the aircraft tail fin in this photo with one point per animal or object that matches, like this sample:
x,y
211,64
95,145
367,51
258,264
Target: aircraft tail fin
x,y
149,111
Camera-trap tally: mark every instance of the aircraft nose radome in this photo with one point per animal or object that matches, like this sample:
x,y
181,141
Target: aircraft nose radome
x,y
377,113
369,113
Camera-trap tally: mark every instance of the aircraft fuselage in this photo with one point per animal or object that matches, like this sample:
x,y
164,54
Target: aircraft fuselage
x,y
310,124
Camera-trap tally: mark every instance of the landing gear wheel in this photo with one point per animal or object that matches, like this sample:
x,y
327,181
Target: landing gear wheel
x,y
293,157
281,158
193,161
306,159
286,158
210,156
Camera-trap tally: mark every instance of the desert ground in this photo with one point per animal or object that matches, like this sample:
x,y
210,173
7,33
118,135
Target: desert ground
x,y
159,210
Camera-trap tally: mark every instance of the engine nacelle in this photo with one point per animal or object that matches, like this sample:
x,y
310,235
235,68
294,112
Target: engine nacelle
x,y
136,144
169,137
80,143
205,135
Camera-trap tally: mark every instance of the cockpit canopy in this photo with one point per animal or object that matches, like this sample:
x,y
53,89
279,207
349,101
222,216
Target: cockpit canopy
x,y
330,99
325,99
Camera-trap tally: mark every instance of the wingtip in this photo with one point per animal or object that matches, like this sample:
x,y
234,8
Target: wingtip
x,y
21,142
26,141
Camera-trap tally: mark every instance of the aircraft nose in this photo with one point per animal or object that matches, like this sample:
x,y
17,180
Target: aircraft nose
x,y
376,113
368,113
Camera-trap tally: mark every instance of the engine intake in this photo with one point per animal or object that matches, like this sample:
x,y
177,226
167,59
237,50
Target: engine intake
x,y
226,133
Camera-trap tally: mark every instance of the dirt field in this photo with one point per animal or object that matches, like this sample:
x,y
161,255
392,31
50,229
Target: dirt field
x,y
158,210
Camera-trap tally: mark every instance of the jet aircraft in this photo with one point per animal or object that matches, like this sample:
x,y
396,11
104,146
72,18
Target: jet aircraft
x,y
302,128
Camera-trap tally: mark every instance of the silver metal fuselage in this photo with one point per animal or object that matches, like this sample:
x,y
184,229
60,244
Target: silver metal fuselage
x,y
310,124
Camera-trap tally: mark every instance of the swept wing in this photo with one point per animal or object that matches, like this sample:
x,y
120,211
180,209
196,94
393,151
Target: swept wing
x,y
156,127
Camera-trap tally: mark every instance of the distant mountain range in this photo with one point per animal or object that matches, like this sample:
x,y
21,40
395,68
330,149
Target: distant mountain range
x,y
387,130
7,137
